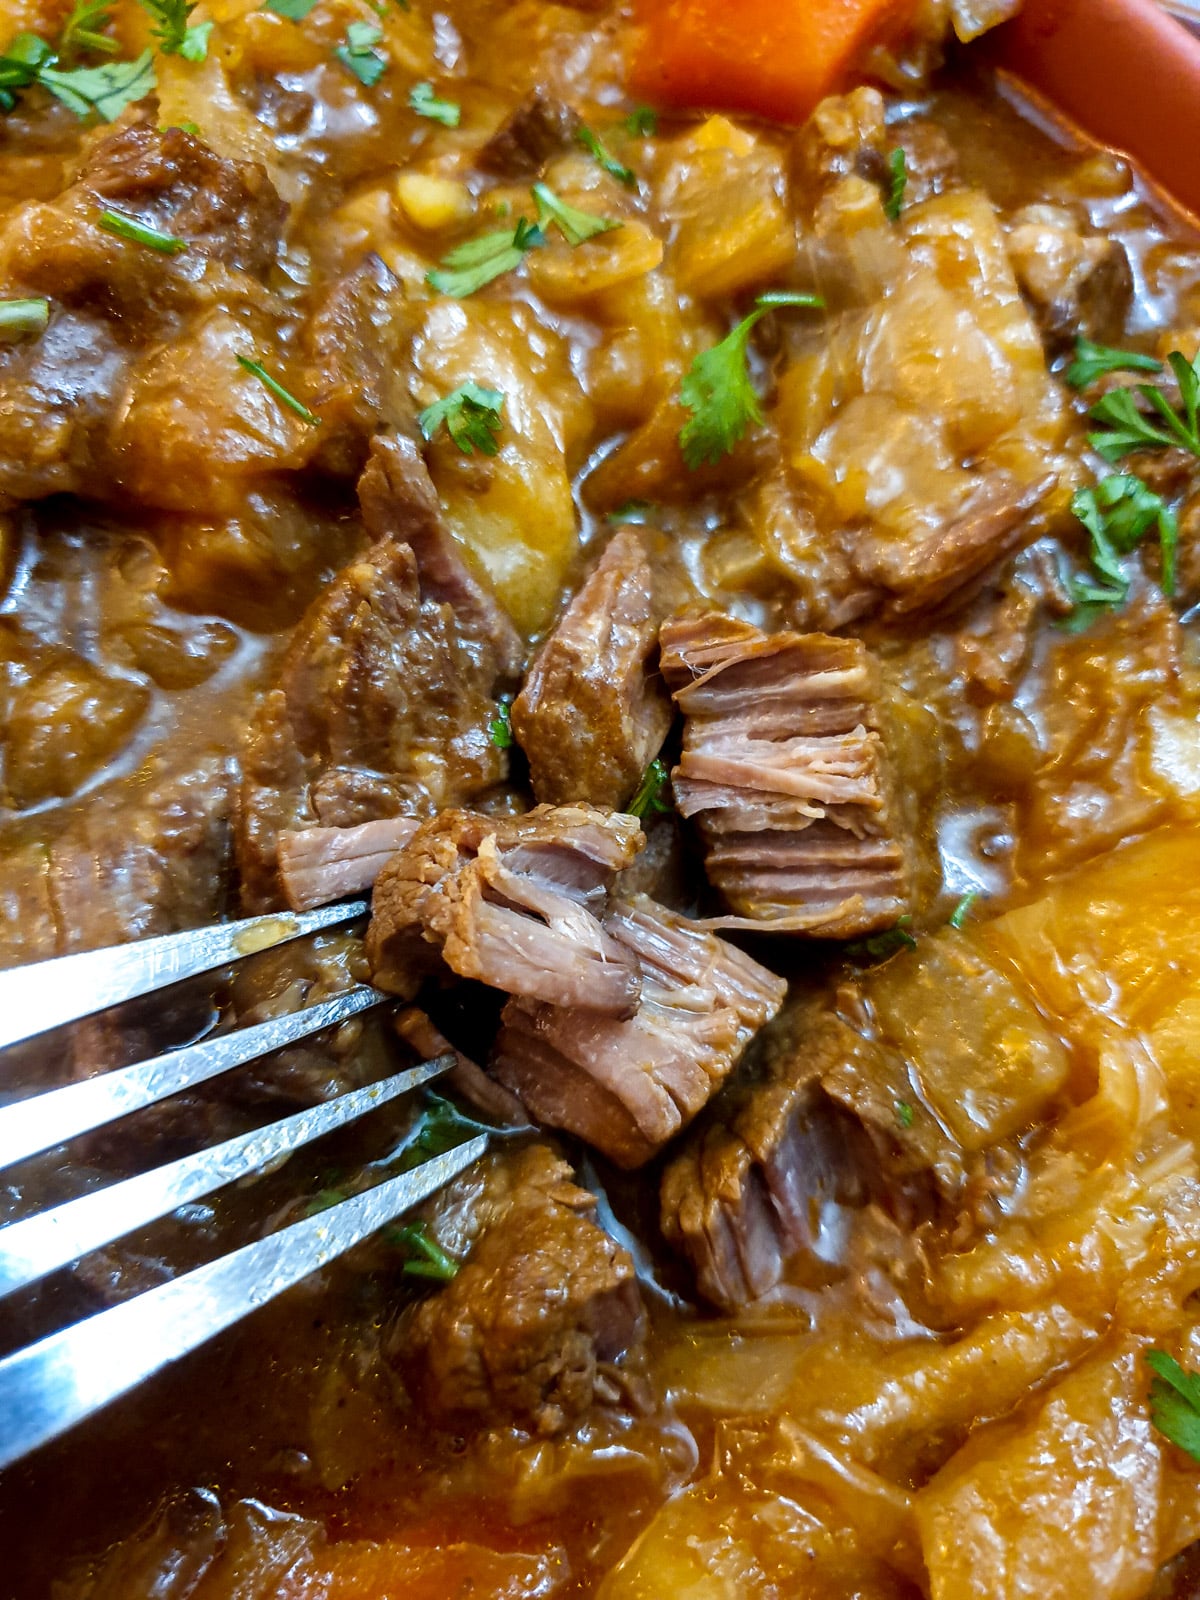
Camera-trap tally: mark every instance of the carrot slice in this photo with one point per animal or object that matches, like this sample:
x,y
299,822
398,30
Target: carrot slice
x,y
771,58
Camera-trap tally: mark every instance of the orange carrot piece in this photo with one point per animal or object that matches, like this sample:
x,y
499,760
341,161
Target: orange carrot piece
x,y
771,58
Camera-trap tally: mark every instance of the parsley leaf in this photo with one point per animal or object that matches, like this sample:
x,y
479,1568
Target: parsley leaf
x,y
963,909
427,1259
471,265
893,204
717,388
425,103
139,233
1131,429
635,511
276,388
174,34
471,415
20,65
1175,1402
1094,361
577,226
881,945
105,90
642,122
652,792
1117,513
611,165
19,317
500,727
359,53
904,1114
439,1128
293,10
81,31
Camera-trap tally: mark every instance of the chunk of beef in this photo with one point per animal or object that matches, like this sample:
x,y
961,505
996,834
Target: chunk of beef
x,y
1077,282
784,763
467,1077
628,1087
545,1316
749,1194
593,712
541,127
317,865
511,901
385,697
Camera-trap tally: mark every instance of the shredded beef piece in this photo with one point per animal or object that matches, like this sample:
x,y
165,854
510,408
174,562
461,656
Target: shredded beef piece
x,y
511,901
748,1194
385,697
784,764
540,127
627,1087
530,1330
593,712
466,1077
317,865
1076,282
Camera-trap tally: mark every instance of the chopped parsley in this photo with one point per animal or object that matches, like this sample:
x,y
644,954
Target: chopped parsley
x,y
425,103
1175,1402
893,203
636,511
19,317
653,791
1128,428
471,416
1094,361
20,65
964,908
615,169
175,35
82,29
439,1128
426,1258
1117,513
576,226
470,266
881,945
642,122
276,388
904,1114
500,727
104,91
293,10
141,233
717,388
359,53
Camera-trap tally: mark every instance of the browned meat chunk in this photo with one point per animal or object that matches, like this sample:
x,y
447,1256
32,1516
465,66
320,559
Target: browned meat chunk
x,y
748,1196
317,865
785,766
384,699
627,1087
593,712
1077,282
466,1077
545,1317
540,127
511,901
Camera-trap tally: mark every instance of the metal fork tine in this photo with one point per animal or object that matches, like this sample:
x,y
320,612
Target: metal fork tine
x,y
43,1120
52,1385
36,998
40,1244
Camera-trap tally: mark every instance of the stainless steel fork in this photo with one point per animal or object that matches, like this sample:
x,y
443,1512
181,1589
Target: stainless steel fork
x,y
51,1385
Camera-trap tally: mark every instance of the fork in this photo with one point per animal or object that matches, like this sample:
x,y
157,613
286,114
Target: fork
x,y
48,1387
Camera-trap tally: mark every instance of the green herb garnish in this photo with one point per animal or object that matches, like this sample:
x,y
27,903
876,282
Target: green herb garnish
x,y
141,233
652,793
964,908
471,416
440,1127
500,727
293,10
427,1259
176,37
20,65
1175,1402
1094,361
576,226
82,29
470,266
717,389
893,203
642,122
276,388
1131,429
1117,513
635,511
615,169
904,1114
359,53
103,91
425,103
19,317
881,945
